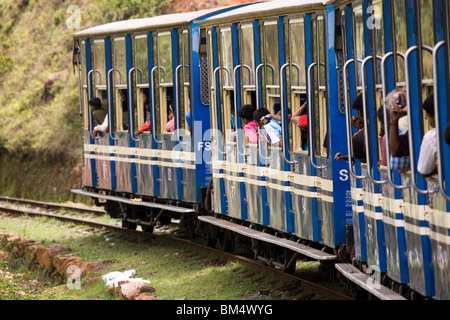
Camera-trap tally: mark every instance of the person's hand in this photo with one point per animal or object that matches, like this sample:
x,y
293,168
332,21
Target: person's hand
x,y
357,123
340,157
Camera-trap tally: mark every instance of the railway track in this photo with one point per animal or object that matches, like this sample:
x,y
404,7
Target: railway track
x,y
60,212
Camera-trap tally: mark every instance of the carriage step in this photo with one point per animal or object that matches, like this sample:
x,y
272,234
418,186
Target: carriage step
x,y
366,282
262,236
166,207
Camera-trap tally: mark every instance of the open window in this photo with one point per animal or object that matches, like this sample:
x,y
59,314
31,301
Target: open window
x,y
271,74
120,84
182,76
162,79
247,66
227,108
297,79
141,76
84,85
321,117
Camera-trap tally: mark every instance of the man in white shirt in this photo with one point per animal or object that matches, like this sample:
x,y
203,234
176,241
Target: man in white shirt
x,y
101,127
427,158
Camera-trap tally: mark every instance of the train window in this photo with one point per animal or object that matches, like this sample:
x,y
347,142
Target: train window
x,y
84,86
359,48
427,38
270,55
212,82
99,63
183,78
400,33
227,110
247,61
142,112
321,112
99,76
163,89
120,83
297,77
141,59
378,50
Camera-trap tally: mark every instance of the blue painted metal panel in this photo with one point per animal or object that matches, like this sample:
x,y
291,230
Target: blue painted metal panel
x,y
358,216
154,145
412,29
90,117
316,221
376,222
200,112
110,98
341,207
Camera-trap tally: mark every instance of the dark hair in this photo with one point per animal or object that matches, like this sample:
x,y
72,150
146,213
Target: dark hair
x,y
246,112
428,105
358,103
259,113
96,103
447,134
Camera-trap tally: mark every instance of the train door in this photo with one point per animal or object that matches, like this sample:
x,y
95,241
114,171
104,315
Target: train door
x,y
304,202
88,175
219,199
385,78
234,185
119,121
245,94
185,117
277,185
318,129
366,206
440,202
101,149
141,116
417,75
163,111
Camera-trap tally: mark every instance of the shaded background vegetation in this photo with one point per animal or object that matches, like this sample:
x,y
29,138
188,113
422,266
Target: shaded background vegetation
x,y
40,125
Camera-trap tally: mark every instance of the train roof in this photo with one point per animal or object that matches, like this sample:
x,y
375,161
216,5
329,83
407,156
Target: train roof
x,y
145,24
266,9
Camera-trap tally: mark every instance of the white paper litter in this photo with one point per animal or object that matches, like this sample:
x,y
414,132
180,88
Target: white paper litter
x,y
113,278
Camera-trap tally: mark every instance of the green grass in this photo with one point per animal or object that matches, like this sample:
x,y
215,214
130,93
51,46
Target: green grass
x,y
174,271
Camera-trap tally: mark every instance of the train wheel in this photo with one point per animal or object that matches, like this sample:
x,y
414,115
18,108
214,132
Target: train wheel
x,y
226,241
128,225
289,264
149,219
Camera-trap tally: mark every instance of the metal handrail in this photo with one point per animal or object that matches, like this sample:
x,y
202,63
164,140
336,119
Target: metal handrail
x,y
238,141
130,102
349,124
311,127
177,107
152,91
366,132
110,108
89,83
387,124
284,151
410,124
216,92
437,120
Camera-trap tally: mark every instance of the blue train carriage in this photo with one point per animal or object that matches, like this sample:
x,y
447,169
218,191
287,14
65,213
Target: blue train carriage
x,y
400,218
290,194
146,71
